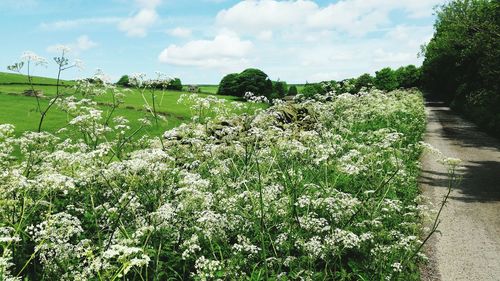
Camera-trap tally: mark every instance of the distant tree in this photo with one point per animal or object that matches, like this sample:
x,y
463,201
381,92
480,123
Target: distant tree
x,y
385,79
363,81
229,85
124,81
312,89
255,81
175,84
280,89
292,91
408,76
250,80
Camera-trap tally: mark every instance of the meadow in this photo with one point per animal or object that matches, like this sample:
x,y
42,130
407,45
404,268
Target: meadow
x,y
317,189
21,110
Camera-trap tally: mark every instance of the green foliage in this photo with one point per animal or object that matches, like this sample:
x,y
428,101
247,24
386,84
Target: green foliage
x,y
175,85
462,61
408,76
310,90
385,79
255,81
292,91
280,89
363,81
229,86
124,81
250,80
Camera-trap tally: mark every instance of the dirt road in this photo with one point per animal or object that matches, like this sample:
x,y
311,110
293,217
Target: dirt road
x,y
469,246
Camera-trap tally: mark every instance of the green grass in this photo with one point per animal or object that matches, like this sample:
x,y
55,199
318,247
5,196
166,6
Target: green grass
x,y
206,89
20,110
14,78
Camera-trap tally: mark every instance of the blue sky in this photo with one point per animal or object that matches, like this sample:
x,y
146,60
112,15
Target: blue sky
x,y
202,40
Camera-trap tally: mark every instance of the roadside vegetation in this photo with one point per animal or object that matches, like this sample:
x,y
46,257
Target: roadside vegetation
x,y
462,61
321,189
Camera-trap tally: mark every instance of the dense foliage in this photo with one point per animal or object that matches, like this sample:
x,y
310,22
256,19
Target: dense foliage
x,y
462,61
386,79
280,89
124,81
319,190
292,91
250,80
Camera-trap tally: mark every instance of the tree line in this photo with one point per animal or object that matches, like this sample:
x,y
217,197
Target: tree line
x,y
462,60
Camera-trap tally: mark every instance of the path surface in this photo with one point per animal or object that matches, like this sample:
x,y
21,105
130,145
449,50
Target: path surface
x,y
469,245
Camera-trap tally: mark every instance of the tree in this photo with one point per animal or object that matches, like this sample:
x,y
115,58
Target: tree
x,y
124,81
292,91
229,85
255,81
175,85
280,89
250,80
385,79
408,76
462,60
310,90
363,81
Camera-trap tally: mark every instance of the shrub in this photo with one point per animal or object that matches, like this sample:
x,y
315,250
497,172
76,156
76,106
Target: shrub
x,y
292,91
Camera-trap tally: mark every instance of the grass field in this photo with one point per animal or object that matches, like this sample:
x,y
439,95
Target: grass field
x,y
20,110
14,78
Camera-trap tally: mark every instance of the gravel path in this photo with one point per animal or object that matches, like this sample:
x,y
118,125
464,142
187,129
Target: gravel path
x,y
468,247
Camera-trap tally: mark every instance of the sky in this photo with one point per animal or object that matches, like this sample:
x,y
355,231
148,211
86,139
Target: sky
x,y
200,41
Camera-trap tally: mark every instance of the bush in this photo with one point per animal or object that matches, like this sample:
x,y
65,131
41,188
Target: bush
x,y
292,91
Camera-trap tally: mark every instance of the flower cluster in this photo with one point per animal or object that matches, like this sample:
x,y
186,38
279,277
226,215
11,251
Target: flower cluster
x,y
314,190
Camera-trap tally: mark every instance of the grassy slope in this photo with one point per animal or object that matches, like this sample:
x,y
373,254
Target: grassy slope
x,y
14,78
20,110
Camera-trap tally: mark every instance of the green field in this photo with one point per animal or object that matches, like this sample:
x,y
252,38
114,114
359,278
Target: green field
x,y
14,78
21,110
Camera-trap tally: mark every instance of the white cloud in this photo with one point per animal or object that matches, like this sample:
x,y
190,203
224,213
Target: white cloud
x,y
354,17
138,25
265,35
180,32
81,44
224,51
255,16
